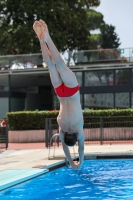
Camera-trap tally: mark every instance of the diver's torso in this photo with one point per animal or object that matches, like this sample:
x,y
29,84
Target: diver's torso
x,y
70,117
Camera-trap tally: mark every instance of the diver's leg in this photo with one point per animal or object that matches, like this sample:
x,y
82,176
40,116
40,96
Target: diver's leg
x,y
54,75
66,74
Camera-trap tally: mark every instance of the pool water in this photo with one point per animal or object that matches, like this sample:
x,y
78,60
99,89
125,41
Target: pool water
x,y
97,179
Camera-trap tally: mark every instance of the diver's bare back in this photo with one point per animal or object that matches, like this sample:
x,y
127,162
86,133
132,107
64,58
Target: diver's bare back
x,y
70,117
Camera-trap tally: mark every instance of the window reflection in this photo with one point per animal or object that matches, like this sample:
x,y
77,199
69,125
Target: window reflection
x,y
122,77
4,106
4,84
104,100
17,104
56,103
122,100
132,100
132,76
79,77
99,78
81,100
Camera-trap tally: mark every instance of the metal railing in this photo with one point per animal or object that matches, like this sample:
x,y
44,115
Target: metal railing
x,y
124,55
26,61
51,128
4,137
100,130
22,61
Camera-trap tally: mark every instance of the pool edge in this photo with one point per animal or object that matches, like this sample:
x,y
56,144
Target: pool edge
x,y
43,170
62,163
20,180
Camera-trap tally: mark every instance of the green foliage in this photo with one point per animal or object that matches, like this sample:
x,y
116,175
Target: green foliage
x,y
66,21
91,3
29,120
35,120
69,23
94,41
109,37
95,19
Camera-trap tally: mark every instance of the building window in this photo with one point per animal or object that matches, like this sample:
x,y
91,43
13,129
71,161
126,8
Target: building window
x,y
104,100
4,83
132,100
81,100
122,77
4,106
99,78
56,103
132,76
79,77
122,100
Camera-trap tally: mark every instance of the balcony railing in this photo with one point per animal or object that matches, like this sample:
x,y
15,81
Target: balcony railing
x,y
103,56
27,61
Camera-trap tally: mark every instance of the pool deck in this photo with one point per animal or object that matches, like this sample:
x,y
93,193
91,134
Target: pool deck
x,y
18,165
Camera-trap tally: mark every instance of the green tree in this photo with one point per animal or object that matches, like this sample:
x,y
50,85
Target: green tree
x,y
67,21
95,21
109,38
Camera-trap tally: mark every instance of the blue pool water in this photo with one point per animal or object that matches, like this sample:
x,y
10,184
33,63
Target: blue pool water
x,y
97,179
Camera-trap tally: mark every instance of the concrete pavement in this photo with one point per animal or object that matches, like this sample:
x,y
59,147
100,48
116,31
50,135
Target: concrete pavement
x,y
31,158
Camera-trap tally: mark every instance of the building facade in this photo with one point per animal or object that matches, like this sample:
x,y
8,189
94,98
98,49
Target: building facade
x,y
105,85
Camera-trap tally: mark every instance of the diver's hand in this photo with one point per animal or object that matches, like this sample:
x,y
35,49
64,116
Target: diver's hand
x,y
75,165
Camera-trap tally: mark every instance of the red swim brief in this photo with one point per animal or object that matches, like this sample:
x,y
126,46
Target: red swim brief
x,y
64,91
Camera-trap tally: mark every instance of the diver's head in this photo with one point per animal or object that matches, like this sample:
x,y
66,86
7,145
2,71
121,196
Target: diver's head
x,y
70,139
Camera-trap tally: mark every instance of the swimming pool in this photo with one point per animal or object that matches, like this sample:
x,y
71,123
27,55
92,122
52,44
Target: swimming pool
x,y
97,179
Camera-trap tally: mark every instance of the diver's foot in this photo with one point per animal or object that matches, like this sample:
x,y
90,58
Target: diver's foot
x,y
38,30
45,31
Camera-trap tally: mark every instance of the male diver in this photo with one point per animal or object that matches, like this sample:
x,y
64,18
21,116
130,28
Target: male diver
x,y
70,118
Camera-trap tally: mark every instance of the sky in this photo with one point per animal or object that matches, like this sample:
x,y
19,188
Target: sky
x,y
119,13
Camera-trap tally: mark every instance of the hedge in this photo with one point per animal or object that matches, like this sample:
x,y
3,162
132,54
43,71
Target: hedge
x,y
35,120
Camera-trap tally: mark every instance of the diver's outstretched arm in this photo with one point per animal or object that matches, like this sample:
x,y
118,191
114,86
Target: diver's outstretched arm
x,y
73,164
81,146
